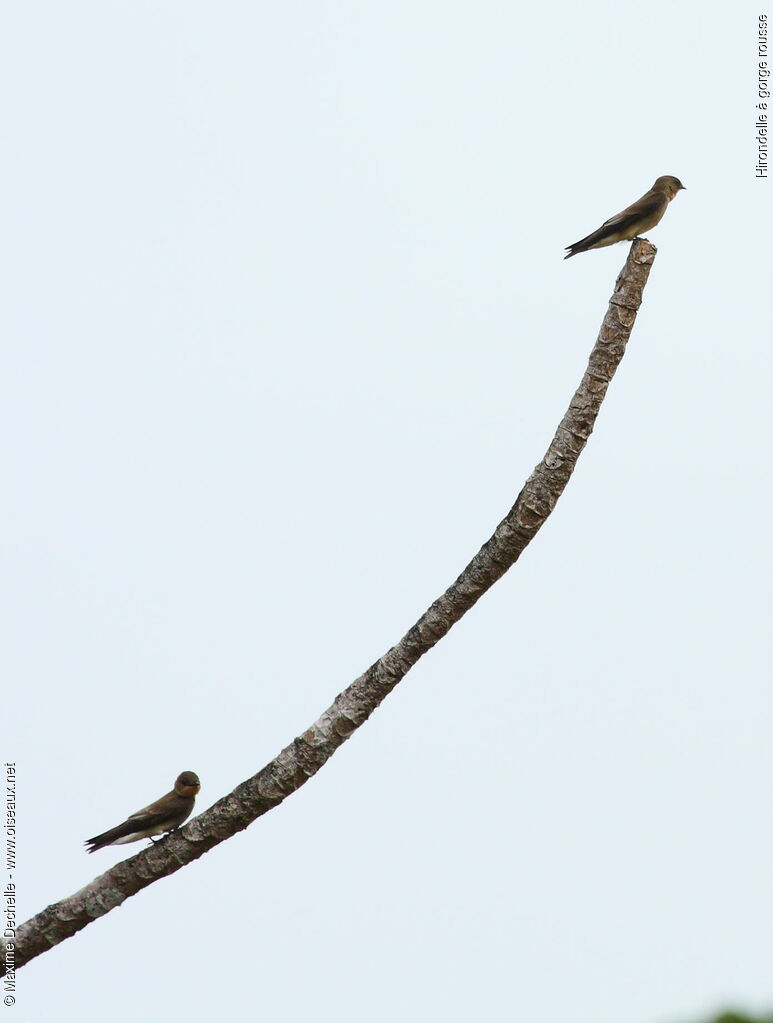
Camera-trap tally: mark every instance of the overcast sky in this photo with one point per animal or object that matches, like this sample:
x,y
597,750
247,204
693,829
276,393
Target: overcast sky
x,y
286,328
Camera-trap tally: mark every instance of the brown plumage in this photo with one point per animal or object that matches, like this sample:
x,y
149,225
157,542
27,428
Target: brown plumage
x,y
165,814
640,216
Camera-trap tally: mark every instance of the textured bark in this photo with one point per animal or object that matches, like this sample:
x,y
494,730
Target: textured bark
x,y
306,754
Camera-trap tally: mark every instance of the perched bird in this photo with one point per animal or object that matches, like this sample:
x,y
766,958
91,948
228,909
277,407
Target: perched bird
x,y
166,814
641,216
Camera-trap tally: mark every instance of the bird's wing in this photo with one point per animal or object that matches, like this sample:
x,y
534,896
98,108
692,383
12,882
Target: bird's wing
x,y
154,816
129,827
142,821
650,204
160,805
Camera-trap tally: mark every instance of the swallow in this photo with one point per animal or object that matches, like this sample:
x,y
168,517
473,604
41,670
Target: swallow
x,y
166,814
640,216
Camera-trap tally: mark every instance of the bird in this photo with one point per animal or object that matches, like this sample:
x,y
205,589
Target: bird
x,y
166,814
639,216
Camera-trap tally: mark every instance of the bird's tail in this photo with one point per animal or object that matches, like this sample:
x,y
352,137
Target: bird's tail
x,y
108,837
584,243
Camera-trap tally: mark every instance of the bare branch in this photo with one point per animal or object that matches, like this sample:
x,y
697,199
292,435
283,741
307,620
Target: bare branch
x,y
305,755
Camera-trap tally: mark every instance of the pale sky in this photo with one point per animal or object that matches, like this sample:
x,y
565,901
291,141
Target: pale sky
x,y
287,326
